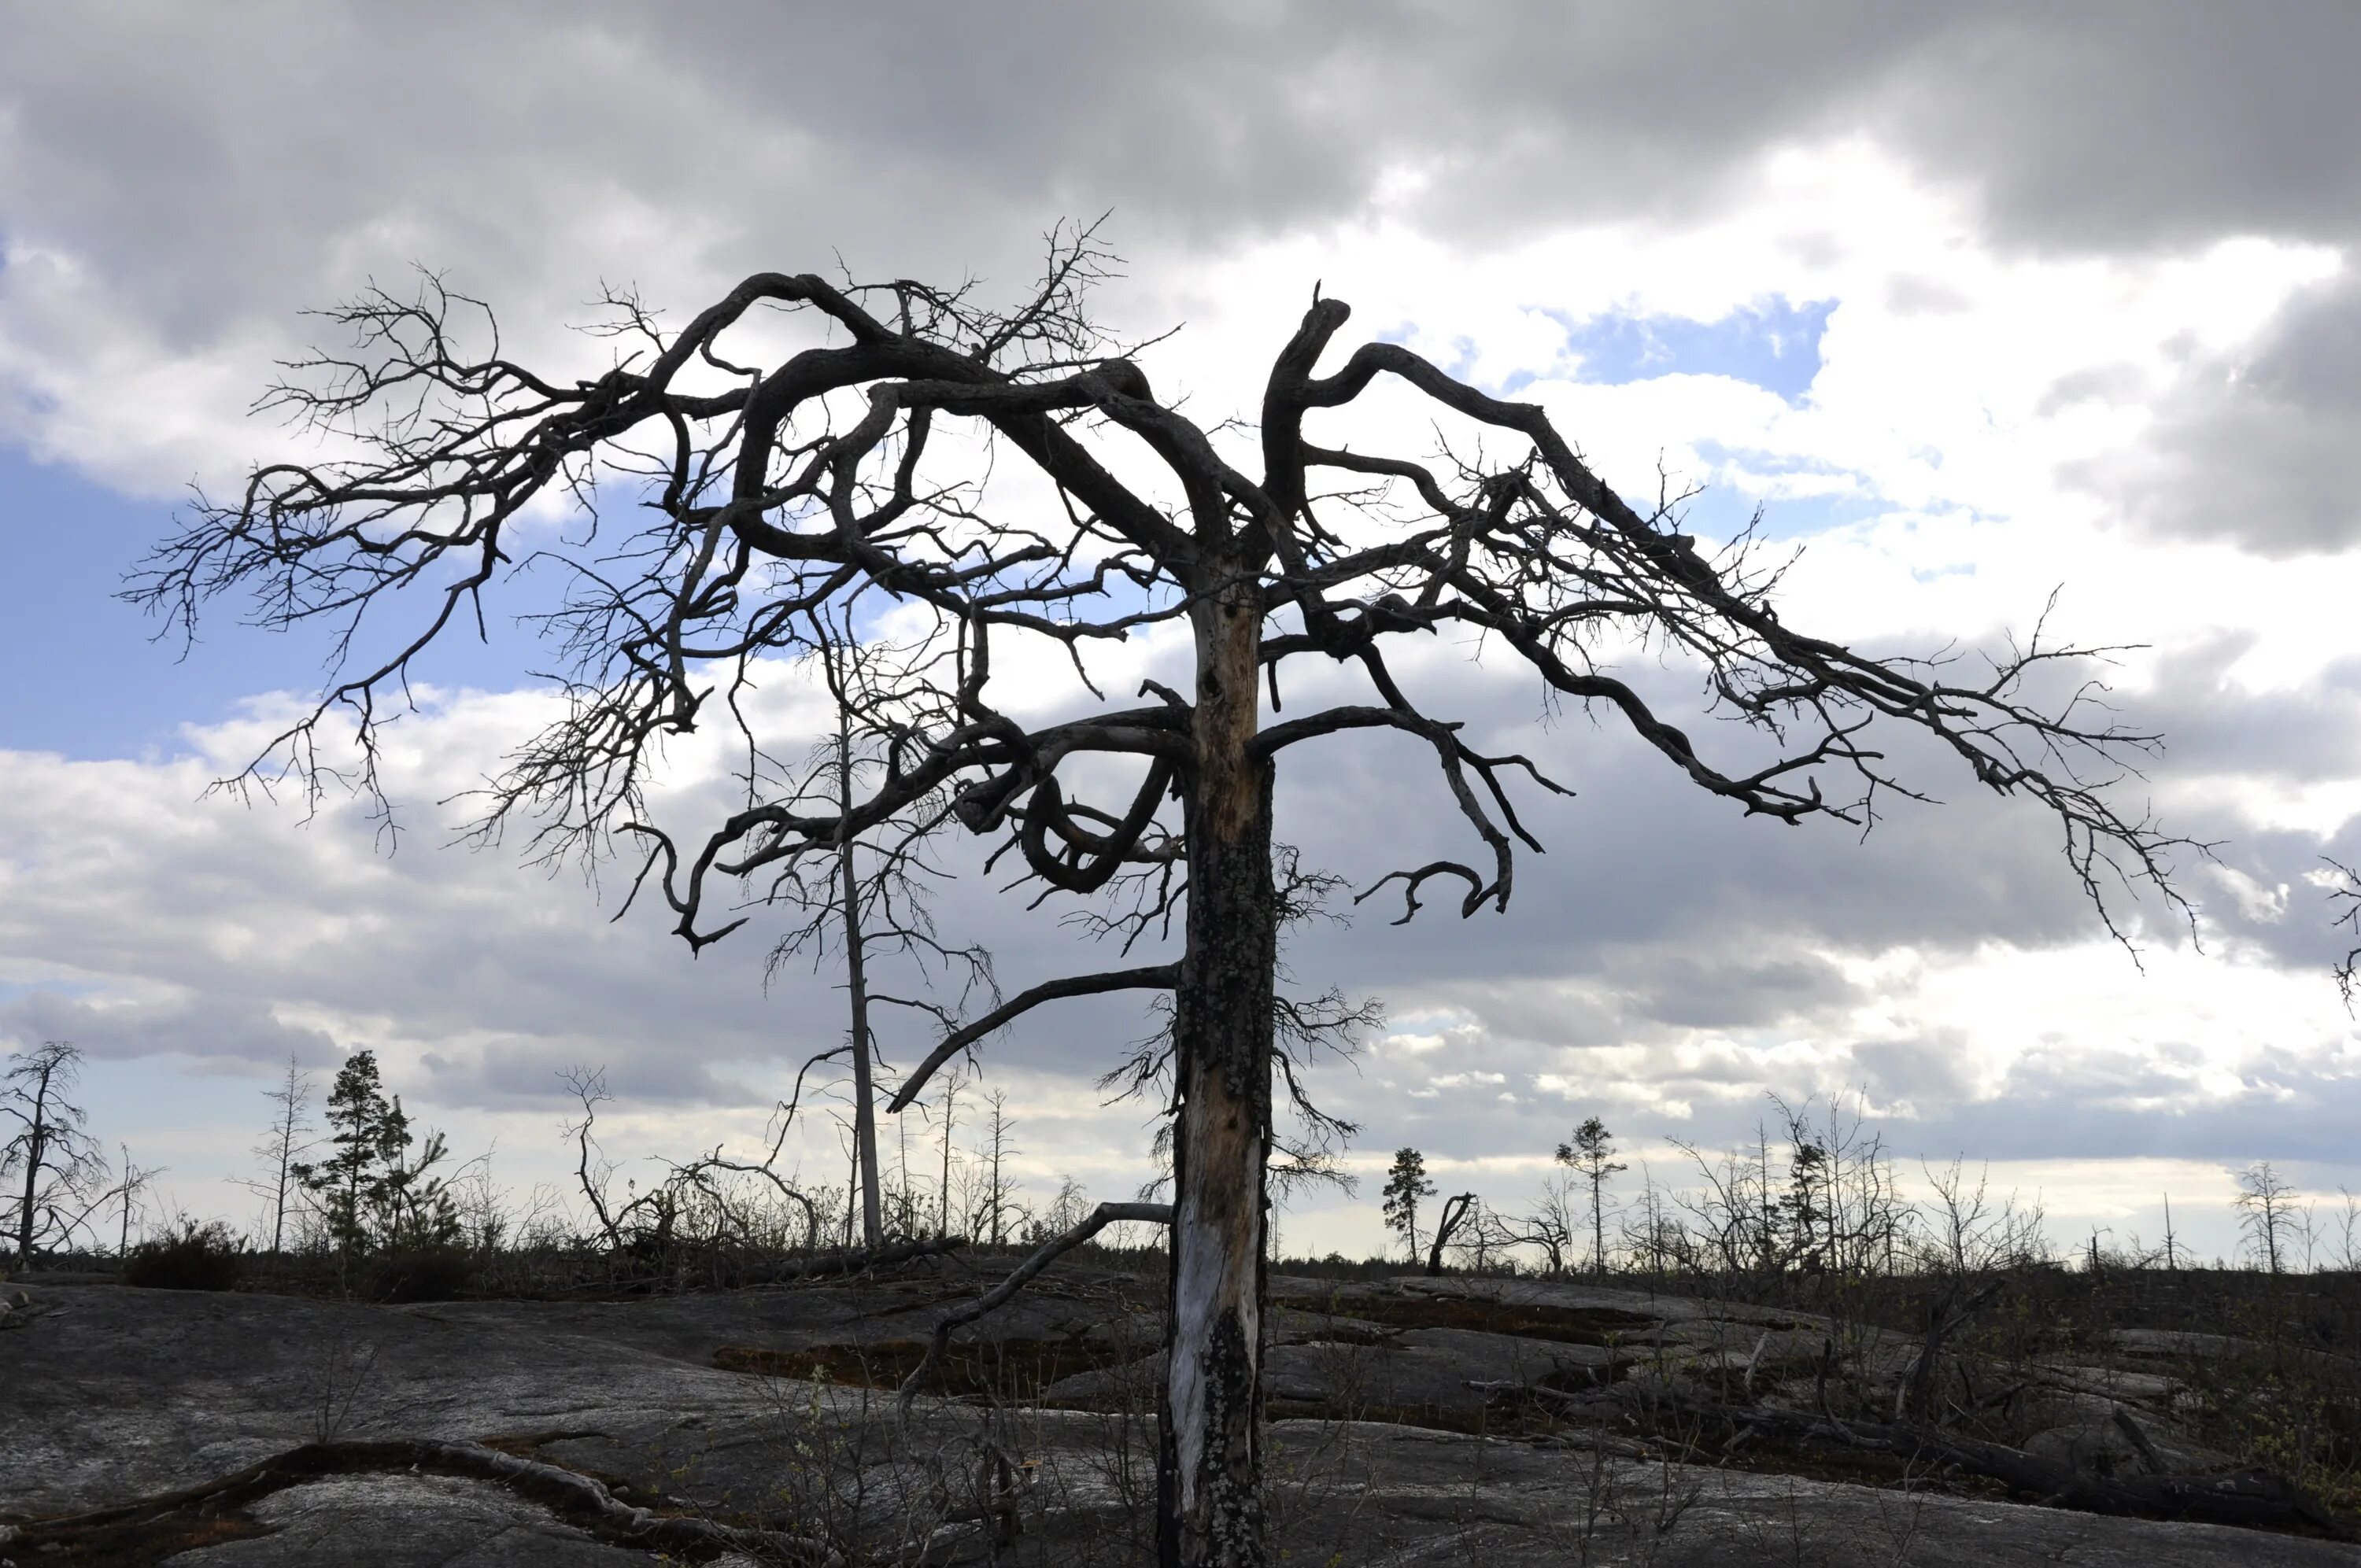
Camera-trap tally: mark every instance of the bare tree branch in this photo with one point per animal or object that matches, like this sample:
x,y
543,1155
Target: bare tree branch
x,y
1000,1295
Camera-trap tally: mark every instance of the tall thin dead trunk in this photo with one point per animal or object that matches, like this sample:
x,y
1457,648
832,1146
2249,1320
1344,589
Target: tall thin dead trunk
x,y
37,1148
1210,1510
1599,1223
856,980
950,1119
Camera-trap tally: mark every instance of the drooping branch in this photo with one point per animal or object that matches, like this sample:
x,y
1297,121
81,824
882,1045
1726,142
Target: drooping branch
x,y
1000,1295
1152,977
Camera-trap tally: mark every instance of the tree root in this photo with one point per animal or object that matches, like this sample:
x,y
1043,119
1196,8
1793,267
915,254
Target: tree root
x,y
573,1496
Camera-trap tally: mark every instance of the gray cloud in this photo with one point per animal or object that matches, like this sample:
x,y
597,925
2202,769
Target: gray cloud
x,y
2135,124
207,174
278,152
2256,449
219,1030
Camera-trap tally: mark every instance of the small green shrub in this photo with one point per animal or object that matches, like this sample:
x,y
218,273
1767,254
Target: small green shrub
x,y
190,1255
422,1274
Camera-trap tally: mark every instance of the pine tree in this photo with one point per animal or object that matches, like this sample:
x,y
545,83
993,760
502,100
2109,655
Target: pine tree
x,y
1406,1183
415,1209
373,1192
1592,1153
347,1182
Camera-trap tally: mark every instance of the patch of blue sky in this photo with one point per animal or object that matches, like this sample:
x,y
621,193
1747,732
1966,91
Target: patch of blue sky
x,y
91,678
91,681
12,990
1828,496
1774,344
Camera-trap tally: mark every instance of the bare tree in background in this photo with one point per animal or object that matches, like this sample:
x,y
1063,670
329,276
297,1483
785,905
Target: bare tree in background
x,y
282,1148
1550,1225
952,1084
994,1205
868,902
136,1181
58,1166
820,478
645,1220
2269,1210
1460,1211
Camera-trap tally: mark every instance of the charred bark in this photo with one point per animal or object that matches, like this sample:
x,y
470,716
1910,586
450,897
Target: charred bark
x,y
1209,1476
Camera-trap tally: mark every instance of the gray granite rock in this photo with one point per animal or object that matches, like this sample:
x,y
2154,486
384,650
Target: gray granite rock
x,y
112,1394
407,1521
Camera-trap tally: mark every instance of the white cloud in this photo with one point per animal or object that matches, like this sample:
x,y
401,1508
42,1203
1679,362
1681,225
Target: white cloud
x,y
2015,392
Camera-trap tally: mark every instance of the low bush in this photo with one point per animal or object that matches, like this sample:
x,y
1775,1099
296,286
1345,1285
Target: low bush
x,y
424,1274
190,1255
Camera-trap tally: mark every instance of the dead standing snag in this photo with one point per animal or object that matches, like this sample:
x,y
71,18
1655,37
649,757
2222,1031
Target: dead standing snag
x,y
57,1167
819,484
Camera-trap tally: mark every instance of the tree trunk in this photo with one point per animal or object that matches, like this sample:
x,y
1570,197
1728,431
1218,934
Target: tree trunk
x,y
1598,1225
1210,1510
856,979
279,1201
37,1139
1455,1211
950,1116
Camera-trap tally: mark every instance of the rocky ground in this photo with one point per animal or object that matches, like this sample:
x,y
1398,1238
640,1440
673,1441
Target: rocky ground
x,y
1499,1422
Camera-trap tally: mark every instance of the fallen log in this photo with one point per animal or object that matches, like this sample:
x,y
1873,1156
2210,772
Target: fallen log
x,y
565,1493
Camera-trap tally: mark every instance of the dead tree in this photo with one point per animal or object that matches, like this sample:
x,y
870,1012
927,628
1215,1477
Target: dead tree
x,y
1457,1209
58,1164
645,1222
1550,1226
867,902
819,480
282,1148
2346,898
2266,1213
135,1181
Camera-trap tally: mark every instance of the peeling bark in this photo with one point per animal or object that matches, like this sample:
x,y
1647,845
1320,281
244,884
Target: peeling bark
x,y
1211,1511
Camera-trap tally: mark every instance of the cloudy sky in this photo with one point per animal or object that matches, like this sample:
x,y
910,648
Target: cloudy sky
x,y
1975,303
